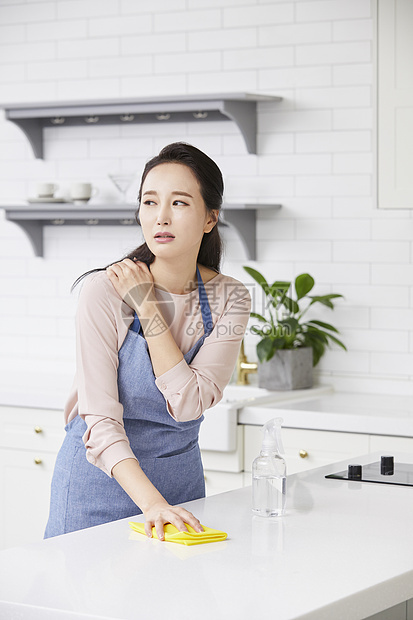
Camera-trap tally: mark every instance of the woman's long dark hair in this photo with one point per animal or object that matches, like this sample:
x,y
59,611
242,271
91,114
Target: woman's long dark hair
x,y
211,185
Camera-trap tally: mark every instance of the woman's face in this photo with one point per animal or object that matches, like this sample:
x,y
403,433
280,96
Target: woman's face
x,y
172,212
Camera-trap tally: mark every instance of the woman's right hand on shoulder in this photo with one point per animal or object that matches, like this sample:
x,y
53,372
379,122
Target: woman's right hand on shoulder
x,y
161,513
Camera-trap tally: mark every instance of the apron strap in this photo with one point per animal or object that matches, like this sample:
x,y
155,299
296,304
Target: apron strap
x,y
136,325
205,307
205,310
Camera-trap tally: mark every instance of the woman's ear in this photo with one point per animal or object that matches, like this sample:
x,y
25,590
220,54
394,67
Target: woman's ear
x,y
211,221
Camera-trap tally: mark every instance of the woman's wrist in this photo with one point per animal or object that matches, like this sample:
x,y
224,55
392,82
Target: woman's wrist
x,y
148,310
129,474
145,306
155,503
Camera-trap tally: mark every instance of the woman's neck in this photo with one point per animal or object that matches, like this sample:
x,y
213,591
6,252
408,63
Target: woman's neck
x,y
174,278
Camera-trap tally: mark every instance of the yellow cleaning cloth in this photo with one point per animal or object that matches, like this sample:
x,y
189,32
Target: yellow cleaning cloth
x,y
172,534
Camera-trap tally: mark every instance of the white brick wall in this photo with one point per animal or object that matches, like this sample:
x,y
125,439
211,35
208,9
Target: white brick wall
x,y
315,156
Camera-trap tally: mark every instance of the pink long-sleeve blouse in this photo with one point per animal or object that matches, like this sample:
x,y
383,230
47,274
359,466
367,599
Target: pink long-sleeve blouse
x,y
102,323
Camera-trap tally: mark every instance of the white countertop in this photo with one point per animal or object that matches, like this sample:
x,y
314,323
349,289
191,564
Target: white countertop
x,y
342,551
35,387
36,398
379,414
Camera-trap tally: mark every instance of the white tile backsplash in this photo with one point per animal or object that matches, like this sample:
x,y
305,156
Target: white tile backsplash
x,y
315,157
352,74
199,4
392,364
68,9
337,97
353,119
274,13
337,185
12,73
294,34
222,39
392,274
333,229
350,163
320,10
333,141
57,70
295,77
11,13
224,81
295,164
375,296
57,30
390,319
372,251
235,60
153,43
300,122
334,53
25,52
399,229
396,341
12,33
183,21
153,85
121,66
352,30
121,26
157,6
353,207
294,250
187,63
89,48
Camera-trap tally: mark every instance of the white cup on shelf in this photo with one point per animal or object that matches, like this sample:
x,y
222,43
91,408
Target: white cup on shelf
x,y
82,192
46,190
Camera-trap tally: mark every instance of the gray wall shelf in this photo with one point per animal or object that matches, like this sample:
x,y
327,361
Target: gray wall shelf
x,y
238,107
33,218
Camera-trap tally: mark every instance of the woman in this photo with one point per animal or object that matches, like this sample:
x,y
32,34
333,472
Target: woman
x,y
158,334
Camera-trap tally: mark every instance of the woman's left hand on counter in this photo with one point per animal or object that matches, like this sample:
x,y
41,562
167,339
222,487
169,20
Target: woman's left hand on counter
x,y
134,283
161,513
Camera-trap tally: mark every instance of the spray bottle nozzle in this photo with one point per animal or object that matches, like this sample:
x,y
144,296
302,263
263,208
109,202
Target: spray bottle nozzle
x,y
272,436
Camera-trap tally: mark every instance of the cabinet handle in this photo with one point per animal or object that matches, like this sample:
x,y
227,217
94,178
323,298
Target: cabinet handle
x,y
303,454
38,461
38,429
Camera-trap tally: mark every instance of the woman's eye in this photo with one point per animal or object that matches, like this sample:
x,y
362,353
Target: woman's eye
x,y
180,203
149,203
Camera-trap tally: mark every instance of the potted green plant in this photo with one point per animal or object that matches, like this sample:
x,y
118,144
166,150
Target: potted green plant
x,y
291,344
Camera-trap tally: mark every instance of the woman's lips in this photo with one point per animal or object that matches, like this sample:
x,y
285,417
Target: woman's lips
x,y
164,238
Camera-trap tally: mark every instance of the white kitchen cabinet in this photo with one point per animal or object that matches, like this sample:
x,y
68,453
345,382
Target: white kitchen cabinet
x,y
224,470
230,461
390,444
306,449
25,493
29,428
398,612
222,481
29,441
31,437
394,103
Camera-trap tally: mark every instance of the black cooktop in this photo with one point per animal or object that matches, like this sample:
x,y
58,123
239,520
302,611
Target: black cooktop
x,y
385,471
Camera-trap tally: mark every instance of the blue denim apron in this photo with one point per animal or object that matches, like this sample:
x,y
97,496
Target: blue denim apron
x,y
168,452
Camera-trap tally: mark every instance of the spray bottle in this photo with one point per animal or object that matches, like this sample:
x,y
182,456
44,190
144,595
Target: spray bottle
x,y
269,473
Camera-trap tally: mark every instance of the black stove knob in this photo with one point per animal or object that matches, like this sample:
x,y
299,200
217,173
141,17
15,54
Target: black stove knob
x,y
354,472
387,465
